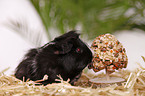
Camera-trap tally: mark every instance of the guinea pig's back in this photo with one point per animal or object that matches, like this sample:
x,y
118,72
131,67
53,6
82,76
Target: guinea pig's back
x,y
25,67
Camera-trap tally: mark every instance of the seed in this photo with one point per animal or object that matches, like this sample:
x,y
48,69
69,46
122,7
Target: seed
x,y
90,66
103,49
101,67
117,42
110,68
95,69
120,50
116,64
111,51
117,51
101,41
95,46
97,60
125,64
114,67
110,46
107,62
124,49
116,55
120,66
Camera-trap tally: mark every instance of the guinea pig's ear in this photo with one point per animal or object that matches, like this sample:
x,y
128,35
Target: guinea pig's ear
x,y
64,48
65,42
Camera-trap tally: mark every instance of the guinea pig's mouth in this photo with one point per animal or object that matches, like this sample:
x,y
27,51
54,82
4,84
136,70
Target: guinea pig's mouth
x,y
90,65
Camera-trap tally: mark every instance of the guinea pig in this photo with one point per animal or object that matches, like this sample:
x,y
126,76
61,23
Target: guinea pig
x,y
66,55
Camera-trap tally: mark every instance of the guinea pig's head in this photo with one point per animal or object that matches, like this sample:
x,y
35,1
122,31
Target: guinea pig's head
x,y
73,50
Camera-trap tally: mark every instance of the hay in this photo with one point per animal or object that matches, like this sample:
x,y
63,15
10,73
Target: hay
x,y
134,85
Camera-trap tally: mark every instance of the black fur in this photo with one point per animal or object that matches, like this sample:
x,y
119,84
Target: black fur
x,y
66,55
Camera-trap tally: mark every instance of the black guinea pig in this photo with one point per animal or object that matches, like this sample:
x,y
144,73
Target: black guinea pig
x,y
66,55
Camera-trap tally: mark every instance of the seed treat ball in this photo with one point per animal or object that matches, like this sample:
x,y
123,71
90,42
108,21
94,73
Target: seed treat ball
x,y
109,54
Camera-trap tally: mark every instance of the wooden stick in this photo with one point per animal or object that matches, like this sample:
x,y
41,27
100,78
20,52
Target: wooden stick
x,y
107,75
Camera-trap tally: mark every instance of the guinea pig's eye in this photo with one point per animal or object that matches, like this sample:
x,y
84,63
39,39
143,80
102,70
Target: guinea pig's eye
x,y
78,50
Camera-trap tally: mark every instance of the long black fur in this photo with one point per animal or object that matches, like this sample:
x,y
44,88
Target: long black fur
x,y
66,55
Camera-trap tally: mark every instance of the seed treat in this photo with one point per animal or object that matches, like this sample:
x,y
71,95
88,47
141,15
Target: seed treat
x,y
109,54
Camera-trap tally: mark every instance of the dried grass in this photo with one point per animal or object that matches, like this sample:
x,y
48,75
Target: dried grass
x,y
134,85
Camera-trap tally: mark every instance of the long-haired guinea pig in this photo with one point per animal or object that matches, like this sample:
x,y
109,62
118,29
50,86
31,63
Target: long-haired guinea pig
x,y
66,55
